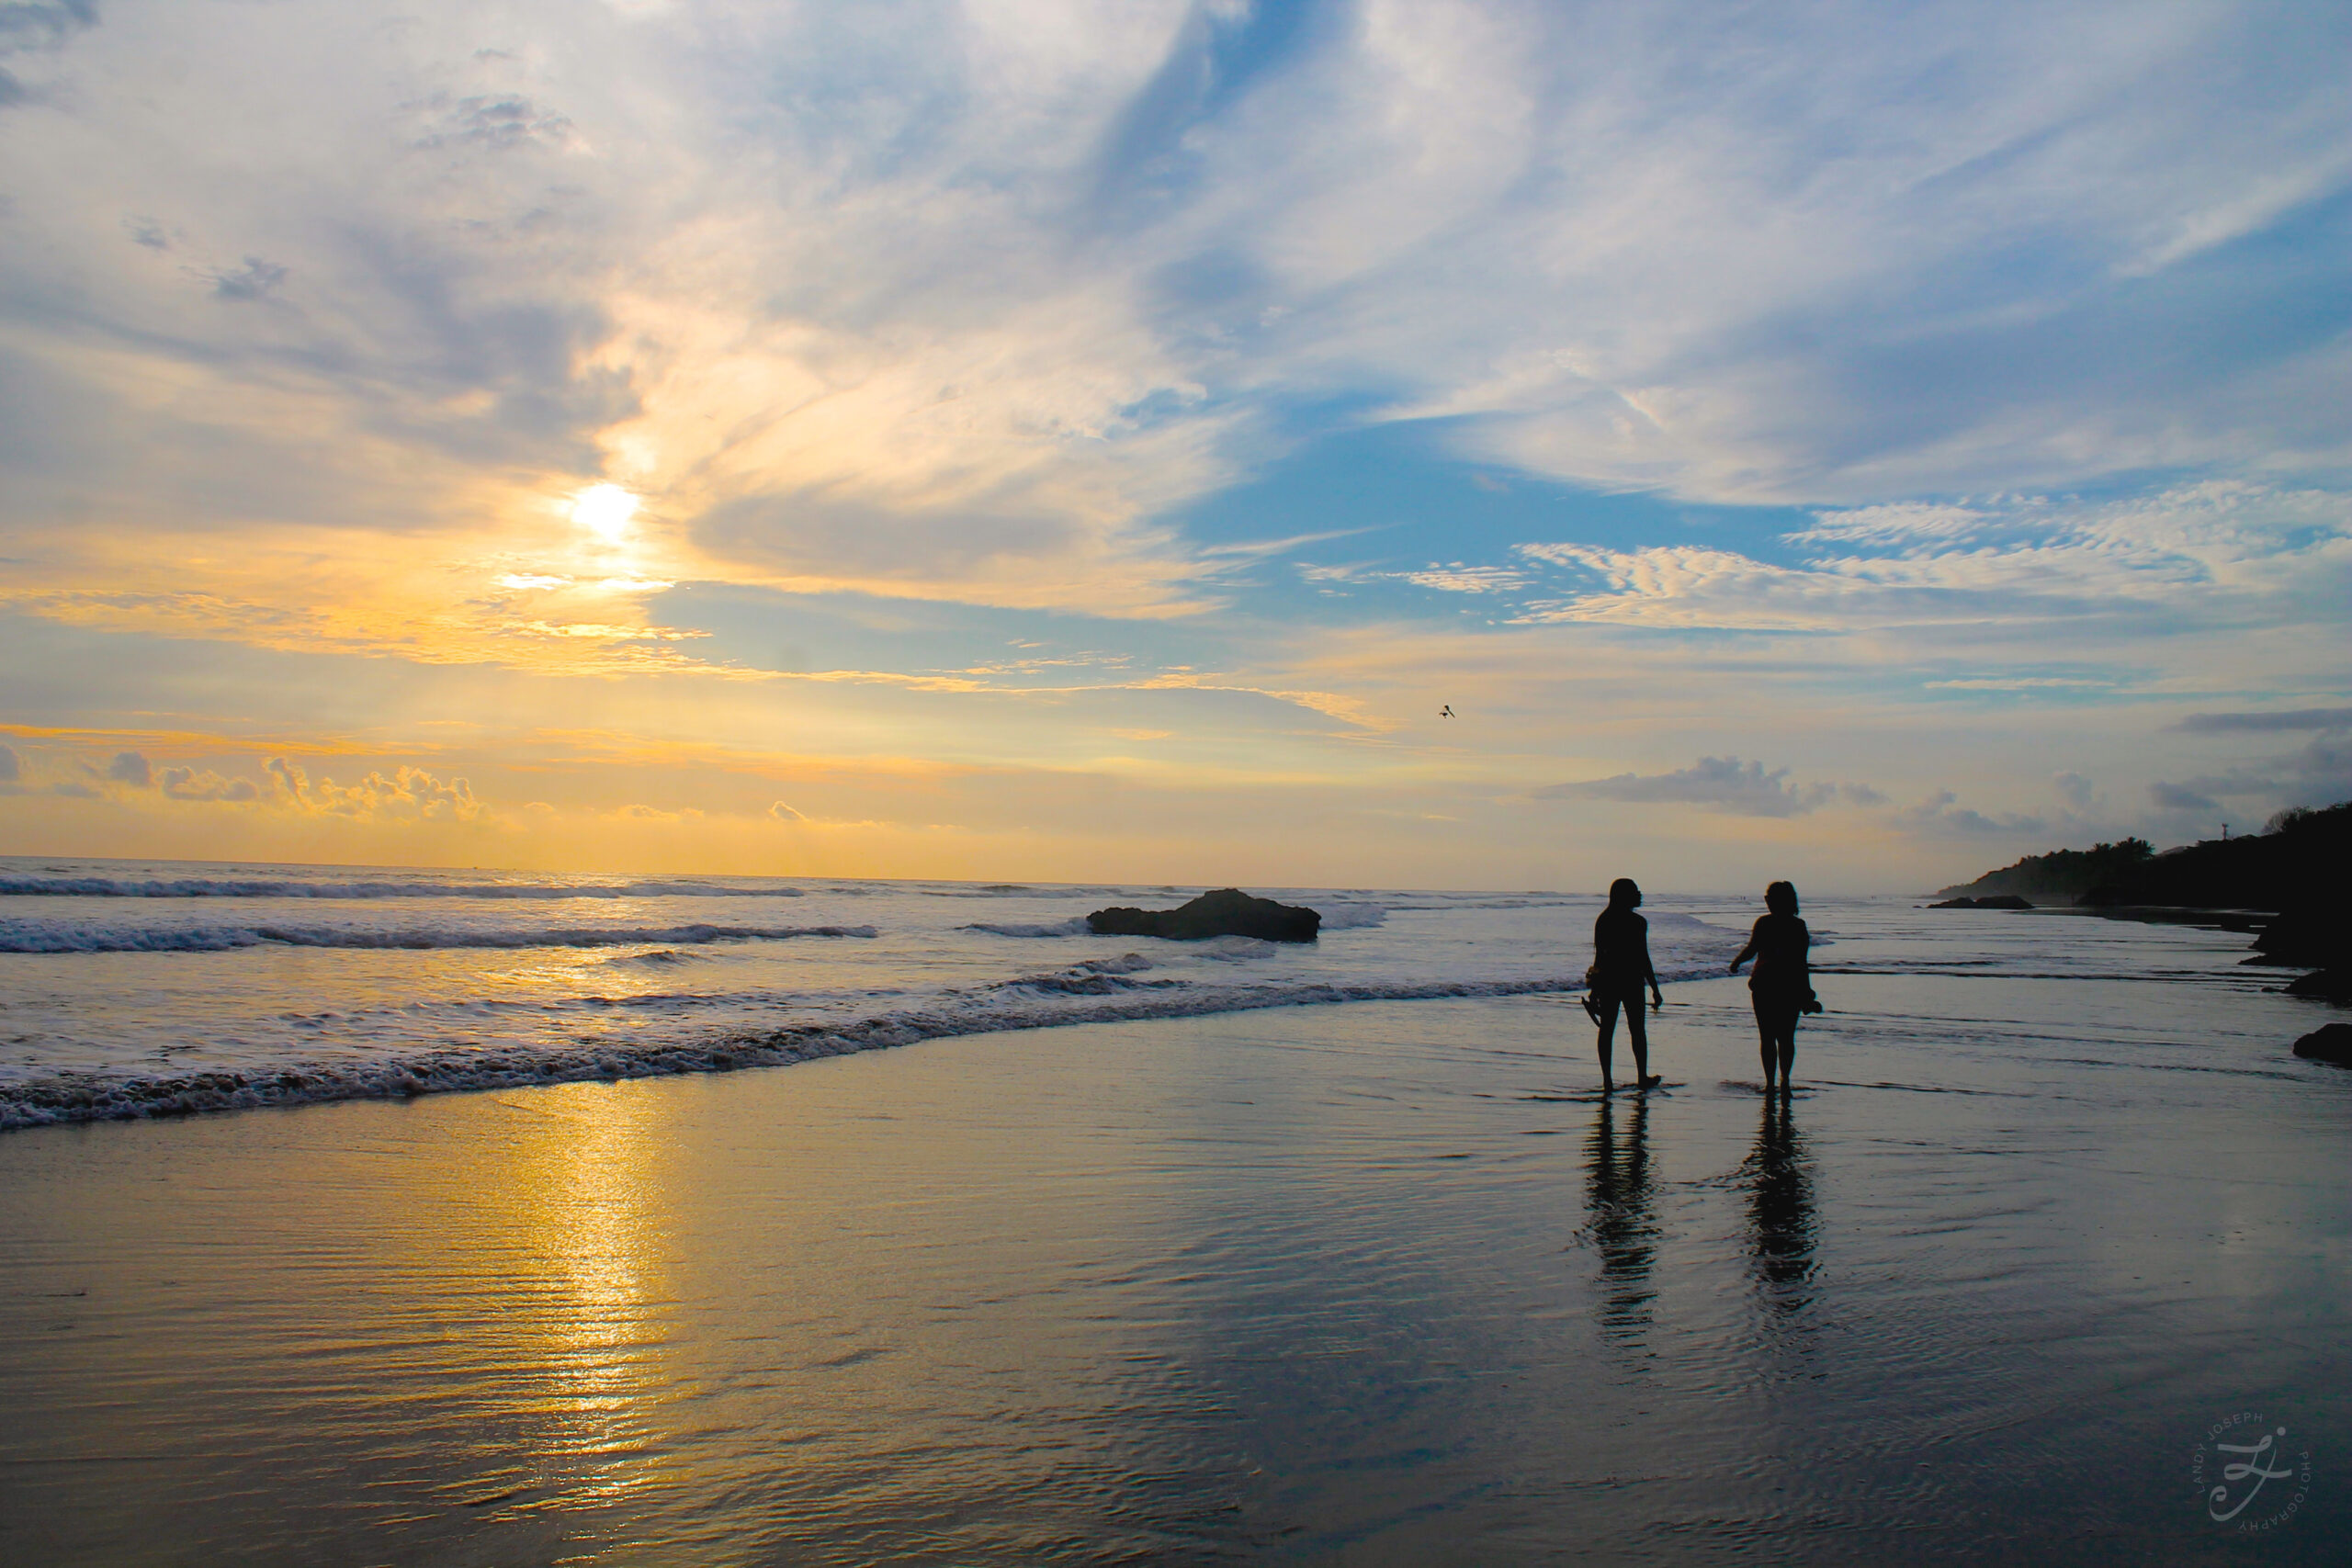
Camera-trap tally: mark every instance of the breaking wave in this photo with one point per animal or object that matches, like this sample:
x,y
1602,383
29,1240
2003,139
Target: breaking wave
x,y
1030,1002
26,936
1075,926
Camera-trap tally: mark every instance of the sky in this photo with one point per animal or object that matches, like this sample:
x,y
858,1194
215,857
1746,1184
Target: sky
x,y
1380,445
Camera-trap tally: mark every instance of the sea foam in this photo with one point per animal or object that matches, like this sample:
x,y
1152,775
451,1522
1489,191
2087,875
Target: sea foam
x,y
1028,1003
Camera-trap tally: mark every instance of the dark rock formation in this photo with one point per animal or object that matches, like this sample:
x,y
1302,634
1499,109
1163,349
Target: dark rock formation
x,y
2309,936
2330,1043
1228,912
2332,984
1998,901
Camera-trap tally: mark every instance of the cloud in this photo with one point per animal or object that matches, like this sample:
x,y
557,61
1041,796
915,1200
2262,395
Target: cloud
x,y
285,779
2318,774
2214,552
1838,351
2259,723
960,316
36,28
637,811
491,122
1899,523
2179,798
186,784
2023,683
784,813
1723,783
130,767
1460,578
35,24
10,770
256,279
408,795
1942,815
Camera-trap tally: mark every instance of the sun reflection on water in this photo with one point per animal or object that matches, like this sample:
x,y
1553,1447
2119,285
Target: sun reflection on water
x,y
590,1324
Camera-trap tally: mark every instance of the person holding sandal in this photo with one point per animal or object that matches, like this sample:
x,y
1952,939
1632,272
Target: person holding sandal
x,y
1620,968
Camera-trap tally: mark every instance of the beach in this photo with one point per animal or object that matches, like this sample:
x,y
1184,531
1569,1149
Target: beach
x,y
1372,1282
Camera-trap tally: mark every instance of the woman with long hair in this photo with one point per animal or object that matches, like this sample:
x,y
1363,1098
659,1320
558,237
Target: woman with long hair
x,y
1620,968
1781,987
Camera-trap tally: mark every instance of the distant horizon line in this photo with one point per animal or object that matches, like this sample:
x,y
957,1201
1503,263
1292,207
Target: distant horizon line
x,y
943,881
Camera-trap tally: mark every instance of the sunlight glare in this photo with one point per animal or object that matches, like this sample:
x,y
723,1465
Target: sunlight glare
x,y
605,511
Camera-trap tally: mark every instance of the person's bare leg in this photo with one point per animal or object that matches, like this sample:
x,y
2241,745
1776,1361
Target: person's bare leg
x,y
1637,1033
1766,1051
1608,1043
1788,1051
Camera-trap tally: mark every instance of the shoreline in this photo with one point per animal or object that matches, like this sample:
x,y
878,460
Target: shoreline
x,y
1080,995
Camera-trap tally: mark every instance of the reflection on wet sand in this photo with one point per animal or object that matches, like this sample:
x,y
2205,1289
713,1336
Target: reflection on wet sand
x,y
1620,1222
1782,1227
539,1252
586,1223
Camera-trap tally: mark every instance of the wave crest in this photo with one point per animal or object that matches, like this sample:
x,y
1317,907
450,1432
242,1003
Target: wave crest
x,y
1075,926
1022,1004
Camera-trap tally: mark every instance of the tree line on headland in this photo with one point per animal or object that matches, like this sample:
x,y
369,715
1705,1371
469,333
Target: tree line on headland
x,y
2302,859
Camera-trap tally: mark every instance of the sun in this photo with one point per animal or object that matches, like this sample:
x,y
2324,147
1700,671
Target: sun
x,y
605,511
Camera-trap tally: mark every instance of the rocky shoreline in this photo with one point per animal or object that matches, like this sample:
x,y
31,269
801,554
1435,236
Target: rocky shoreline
x,y
2287,885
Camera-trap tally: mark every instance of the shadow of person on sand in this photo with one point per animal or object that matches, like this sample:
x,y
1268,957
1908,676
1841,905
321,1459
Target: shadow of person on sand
x,y
1620,1219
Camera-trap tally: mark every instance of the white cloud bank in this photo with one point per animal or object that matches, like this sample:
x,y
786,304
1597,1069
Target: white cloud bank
x,y
2204,553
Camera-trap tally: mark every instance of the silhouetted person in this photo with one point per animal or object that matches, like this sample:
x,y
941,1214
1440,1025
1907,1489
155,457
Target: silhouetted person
x,y
1620,968
1781,987
1618,1220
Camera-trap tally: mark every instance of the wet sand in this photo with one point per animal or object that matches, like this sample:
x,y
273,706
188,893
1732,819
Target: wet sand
x,y
1376,1283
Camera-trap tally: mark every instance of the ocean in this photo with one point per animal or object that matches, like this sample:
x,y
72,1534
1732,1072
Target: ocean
x,y
137,988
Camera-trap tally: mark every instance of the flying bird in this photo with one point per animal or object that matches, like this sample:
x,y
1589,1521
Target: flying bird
x,y
1446,712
